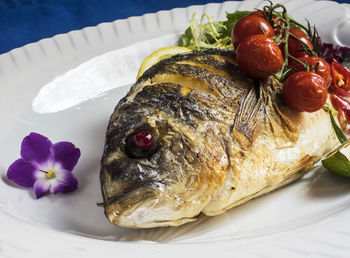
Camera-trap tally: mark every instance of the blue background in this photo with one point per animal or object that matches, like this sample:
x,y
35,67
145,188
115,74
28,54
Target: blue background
x,y
26,21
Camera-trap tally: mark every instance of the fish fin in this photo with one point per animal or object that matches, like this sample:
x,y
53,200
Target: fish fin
x,y
304,165
277,117
247,120
290,174
263,107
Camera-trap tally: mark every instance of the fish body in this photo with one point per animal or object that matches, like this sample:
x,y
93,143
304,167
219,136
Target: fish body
x,y
222,137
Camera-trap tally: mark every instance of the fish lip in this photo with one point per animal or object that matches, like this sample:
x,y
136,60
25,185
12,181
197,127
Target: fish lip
x,y
129,201
139,192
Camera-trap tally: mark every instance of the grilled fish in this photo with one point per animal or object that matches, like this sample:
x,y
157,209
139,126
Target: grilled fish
x,y
222,139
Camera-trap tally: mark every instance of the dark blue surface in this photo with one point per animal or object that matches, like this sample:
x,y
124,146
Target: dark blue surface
x,y
26,21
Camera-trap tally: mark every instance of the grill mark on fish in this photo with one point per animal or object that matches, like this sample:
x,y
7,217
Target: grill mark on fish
x,y
166,97
226,59
187,81
207,67
169,98
205,80
228,89
199,56
214,64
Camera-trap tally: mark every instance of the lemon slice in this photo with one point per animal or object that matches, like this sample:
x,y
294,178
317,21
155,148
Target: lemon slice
x,y
159,55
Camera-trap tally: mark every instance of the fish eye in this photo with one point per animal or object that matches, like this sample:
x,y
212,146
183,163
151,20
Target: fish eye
x,y
141,144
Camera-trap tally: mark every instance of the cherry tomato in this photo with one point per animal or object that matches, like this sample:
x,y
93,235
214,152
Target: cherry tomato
x,y
305,91
258,13
341,77
295,48
277,23
259,56
323,67
250,25
277,26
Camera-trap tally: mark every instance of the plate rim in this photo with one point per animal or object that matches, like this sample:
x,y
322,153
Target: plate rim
x,y
14,54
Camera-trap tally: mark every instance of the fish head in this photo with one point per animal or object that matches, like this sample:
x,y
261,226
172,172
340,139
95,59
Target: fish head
x,y
177,180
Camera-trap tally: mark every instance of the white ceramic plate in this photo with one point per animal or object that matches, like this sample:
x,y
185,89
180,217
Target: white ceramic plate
x,y
66,88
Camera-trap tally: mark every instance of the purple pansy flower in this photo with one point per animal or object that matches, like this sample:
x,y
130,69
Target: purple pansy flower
x,y
45,166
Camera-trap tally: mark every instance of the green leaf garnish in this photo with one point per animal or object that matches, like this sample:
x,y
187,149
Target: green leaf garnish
x,y
211,34
338,160
339,132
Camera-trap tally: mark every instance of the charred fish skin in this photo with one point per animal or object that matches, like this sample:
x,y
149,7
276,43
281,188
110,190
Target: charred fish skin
x,y
222,139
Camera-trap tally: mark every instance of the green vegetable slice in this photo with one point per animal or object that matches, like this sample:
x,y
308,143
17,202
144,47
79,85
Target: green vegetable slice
x,y
338,160
341,136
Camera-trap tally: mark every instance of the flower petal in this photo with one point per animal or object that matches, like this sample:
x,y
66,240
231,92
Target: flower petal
x,y
36,147
22,173
41,187
66,154
64,182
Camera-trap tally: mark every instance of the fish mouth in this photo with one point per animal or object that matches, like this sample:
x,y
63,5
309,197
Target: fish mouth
x,y
124,204
144,207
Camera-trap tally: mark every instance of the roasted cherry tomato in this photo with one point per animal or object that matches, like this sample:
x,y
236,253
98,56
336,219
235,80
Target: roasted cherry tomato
x,y
250,25
323,67
259,56
258,13
305,91
277,23
277,26
295,48
340,77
